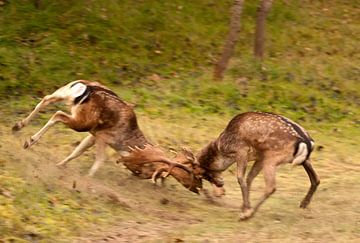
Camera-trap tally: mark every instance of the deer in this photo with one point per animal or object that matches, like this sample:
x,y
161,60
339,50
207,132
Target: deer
x,y
110,122
269,140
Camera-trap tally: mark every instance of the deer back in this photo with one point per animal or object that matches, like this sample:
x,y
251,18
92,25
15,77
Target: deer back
x,y
264,132
101,112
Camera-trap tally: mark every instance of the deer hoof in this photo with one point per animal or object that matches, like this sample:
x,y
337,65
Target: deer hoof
x,y
90,174
61,164
304,204
28,143
248,213
17,127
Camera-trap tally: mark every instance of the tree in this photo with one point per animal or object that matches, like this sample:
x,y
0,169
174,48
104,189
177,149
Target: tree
x,y
229,46
262,11
37,4
231,40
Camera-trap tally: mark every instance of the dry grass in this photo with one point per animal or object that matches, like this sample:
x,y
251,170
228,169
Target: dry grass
x,y
135,210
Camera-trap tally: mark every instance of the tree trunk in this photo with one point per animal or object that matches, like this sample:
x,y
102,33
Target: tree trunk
x,y
262,11
230,42
37,4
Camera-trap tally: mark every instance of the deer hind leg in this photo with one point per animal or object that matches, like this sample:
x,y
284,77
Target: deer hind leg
x,y
86,143
57,96
315,181
100,157
59,116
270,188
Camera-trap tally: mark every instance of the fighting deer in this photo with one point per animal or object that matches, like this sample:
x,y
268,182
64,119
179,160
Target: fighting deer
x,y
111,122
268,139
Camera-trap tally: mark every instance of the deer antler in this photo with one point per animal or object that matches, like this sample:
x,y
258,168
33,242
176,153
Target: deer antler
x,y
152,154
185,156
158,172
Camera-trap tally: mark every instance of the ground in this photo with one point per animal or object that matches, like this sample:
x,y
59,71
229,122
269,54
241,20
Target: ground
x,y
50,203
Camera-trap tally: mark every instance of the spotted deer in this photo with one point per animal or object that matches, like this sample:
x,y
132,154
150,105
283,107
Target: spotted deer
x,y
268,139
111,122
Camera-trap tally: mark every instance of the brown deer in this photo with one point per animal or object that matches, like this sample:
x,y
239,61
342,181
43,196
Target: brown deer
x,y
111,122
268,139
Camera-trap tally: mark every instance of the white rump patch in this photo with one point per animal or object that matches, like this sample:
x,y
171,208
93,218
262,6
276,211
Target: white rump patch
x,y
77,90
301,154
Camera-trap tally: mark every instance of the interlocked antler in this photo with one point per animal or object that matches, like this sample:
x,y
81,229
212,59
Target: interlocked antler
x,y
185,156
152,154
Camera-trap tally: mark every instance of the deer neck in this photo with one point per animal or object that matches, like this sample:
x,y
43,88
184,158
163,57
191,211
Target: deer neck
x,y
136,138
206,156
211,157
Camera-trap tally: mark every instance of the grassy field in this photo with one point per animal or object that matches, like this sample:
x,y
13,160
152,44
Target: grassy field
x,y
40,204
158,55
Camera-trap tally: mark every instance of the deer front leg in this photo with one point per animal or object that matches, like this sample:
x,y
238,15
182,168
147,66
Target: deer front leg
x,y
43,103
241,169
86,143
59,116
99,157
255,169
270,188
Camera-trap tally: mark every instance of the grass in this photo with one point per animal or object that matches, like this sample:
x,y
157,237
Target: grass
x,y
42,193
158,55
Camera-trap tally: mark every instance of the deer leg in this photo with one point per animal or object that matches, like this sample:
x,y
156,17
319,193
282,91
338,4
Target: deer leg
x,y
270,188
255,169
99,157
56,96
315,181
59,116
79,150
241,169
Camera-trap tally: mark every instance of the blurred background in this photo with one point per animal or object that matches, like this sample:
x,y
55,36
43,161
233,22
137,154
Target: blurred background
x,y
300,59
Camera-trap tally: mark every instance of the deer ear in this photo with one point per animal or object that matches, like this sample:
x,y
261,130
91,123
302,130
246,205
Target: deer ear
x,y
78,89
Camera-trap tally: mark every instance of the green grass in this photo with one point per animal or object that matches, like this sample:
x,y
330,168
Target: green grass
x,y
38,212
159,56
310,72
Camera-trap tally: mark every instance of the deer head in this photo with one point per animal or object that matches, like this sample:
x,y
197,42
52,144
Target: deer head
x,y
151,162
187,157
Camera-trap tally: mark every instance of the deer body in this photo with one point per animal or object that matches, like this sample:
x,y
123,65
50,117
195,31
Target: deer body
x,y
268,139
111,122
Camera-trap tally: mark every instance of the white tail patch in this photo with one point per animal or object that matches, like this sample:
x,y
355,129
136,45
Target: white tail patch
x,y
301,154
312,145
77,90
